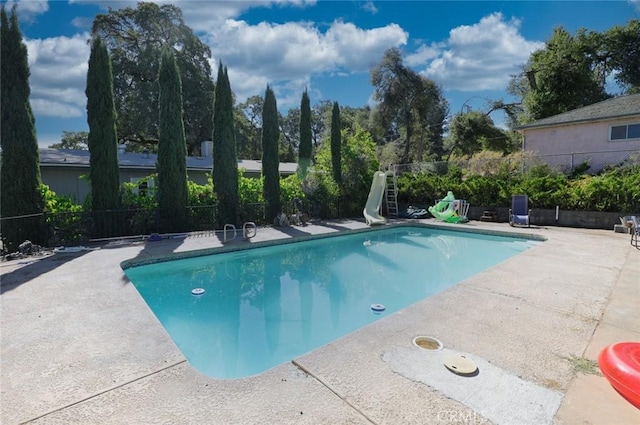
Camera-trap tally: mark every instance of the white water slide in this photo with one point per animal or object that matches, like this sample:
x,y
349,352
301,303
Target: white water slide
x,y
374,201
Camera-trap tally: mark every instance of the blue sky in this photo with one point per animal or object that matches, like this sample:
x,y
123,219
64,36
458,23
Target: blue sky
x,y
469,47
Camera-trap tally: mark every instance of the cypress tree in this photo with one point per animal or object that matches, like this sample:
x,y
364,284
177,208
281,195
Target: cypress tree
x,y
304,152
270,159
336,143
104,174
172,147
20,169
225,159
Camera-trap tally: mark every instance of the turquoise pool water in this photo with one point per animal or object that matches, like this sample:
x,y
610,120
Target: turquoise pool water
x,y
265,306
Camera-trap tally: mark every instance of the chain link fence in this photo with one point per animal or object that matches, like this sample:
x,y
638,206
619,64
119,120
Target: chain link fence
x,y
74,228
590,162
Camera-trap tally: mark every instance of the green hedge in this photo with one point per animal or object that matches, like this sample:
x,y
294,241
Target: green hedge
x,y
613,190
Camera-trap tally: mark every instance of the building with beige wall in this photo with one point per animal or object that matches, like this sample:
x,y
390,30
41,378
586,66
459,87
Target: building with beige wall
x,y
605,133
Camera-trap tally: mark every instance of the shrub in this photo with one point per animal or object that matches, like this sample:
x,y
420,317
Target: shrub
x,y
142,205
485,191
544,191
322,193
201,201
64,217
199,195
250,199
290,188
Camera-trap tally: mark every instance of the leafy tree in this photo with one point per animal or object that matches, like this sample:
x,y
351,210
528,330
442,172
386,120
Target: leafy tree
x,y
270,161
572,71
172,151
358,163
305,150
409,105
563,78
290,135
225,159
513,110
288,143
474,131
623,45
336,143
135,38
321,121
104,174
20,170
248,120
351,116
77,140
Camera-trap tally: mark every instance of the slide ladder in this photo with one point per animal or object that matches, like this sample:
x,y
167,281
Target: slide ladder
x,y
391,198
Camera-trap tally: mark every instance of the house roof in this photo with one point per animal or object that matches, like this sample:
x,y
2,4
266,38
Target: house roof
x,y
617,107
146,161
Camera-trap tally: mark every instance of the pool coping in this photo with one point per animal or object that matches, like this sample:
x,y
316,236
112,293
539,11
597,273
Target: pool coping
x,y
126,264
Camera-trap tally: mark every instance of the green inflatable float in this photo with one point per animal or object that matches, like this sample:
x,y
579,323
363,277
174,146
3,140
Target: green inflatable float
x,y
447,210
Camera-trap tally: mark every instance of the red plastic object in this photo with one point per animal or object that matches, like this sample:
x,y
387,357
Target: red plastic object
x,y
620,364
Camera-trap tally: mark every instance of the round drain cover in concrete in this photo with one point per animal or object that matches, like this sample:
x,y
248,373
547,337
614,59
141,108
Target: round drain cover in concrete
x,y
427,343
460,365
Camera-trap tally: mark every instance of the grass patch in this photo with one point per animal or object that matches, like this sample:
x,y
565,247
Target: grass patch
x,y
585,366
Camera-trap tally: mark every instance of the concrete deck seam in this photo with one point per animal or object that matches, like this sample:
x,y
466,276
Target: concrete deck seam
x,y
604,321
602,318
524,300
101,393
327,386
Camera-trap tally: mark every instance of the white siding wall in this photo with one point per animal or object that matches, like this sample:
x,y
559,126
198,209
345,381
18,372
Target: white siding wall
x,y
561,141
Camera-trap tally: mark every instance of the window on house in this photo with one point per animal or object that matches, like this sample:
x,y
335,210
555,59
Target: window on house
x,y
145,186
624,132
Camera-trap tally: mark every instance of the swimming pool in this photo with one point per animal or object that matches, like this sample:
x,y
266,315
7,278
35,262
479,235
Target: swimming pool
x,y
265,306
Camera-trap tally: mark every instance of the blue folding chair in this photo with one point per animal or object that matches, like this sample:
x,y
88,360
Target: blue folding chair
x,y
519,212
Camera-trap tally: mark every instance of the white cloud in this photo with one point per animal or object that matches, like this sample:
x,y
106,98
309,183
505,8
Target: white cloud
x,y
82,22
422,55
283,55
289,93
636,4
201,16
273,53
58,68
480,56
47,107
286,56
28,10
370,7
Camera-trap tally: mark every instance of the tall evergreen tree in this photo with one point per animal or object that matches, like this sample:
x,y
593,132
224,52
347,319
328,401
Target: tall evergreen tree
x,y
172,147
270,160
20,169
225,159
304,151
336,143
102,139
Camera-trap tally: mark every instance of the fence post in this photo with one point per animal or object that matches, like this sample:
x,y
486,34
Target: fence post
x,y
571,165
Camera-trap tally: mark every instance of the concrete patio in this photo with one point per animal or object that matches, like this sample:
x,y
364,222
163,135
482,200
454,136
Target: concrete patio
x,y
79,344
